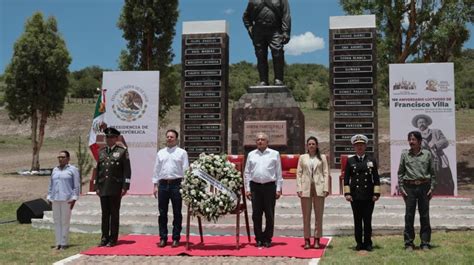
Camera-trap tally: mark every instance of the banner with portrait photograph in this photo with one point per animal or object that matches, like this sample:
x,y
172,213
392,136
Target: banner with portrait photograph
x,y
132,108
422,99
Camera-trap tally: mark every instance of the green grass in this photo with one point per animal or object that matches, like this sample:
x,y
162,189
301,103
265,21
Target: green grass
x,y
317,119
448,248
22,244
464,121
8,210
15,142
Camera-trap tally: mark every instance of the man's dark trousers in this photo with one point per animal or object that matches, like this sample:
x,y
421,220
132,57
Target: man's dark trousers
x,y
110,217
166,192
417,193
263,201
362,211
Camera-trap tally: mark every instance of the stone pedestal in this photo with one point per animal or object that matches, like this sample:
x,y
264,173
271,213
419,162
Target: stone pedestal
x,y
273,110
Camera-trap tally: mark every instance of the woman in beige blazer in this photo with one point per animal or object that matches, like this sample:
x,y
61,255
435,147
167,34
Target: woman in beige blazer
x,y
312,180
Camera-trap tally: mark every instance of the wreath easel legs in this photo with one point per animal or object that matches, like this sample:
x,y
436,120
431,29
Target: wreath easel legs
x,y
188,225
237,228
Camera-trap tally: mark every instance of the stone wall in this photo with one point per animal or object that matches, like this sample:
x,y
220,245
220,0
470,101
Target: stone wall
x,y
267,104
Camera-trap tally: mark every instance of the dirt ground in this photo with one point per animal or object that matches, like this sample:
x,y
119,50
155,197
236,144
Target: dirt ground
x,y
23,188
15,156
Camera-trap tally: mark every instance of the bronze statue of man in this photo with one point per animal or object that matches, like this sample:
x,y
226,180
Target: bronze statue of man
x,y
268,23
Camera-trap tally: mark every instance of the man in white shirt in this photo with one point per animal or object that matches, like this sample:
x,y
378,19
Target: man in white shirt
x,y
170,165
263,183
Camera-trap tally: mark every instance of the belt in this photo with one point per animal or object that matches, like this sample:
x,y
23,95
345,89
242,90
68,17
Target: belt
x,y
171,181
266,183
417,181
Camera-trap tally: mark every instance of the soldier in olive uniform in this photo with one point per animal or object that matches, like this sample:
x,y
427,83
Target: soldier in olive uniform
x,y
111,183
362,189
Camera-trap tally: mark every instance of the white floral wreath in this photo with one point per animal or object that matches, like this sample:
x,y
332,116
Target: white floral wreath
x,y
196,193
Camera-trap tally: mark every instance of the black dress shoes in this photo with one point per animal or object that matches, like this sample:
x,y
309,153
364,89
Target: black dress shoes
x,y
103,243
162,243
259,244
358,247
112,244
369,248
267,244
425,247
175,244
409,247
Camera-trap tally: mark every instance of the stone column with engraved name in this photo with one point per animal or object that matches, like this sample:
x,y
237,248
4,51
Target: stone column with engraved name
x,y
204,93
352,71
272,110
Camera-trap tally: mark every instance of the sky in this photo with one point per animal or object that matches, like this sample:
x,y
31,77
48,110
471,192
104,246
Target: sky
x,y
90,30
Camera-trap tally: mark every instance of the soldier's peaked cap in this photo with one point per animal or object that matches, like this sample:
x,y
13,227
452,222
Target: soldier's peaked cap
x,y
359,138
110,132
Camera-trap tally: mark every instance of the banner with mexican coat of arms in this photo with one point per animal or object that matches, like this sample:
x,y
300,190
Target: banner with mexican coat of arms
x,y
132,108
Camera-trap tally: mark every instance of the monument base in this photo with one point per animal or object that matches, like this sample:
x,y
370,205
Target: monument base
x,y
266,104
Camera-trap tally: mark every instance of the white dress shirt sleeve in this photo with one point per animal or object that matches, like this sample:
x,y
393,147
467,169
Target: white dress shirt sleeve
x,y
185,162
247,175
156,169
278,173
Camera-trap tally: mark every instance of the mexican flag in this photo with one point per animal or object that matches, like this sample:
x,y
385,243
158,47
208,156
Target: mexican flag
x,y
98,120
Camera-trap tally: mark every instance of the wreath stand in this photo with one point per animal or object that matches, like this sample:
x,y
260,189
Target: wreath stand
x,y
241,207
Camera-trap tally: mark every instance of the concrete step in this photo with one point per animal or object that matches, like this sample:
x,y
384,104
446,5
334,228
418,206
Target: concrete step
x,y
139,214
330,200
230,229
294,209
290,204
151,218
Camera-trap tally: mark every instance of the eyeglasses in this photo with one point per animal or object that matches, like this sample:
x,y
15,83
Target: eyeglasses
x,y
61,157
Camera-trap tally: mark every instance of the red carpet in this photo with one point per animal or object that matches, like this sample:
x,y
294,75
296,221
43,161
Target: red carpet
x,y
145,245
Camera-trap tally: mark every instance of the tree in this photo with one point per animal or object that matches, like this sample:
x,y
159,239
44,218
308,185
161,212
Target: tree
x,y
149,28
84,162
84,82
2,89
241,75
409,30
320,95
85,87
36,78
464,78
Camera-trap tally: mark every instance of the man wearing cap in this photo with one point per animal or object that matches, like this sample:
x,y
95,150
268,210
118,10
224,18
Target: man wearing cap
x,y
170,164
111,183
434,141
416,182
362,190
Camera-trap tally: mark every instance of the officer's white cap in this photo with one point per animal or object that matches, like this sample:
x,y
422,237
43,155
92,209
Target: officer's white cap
x,y
359,138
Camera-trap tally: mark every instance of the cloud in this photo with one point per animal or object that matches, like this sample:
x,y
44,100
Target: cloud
x,y
304,43
229,11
